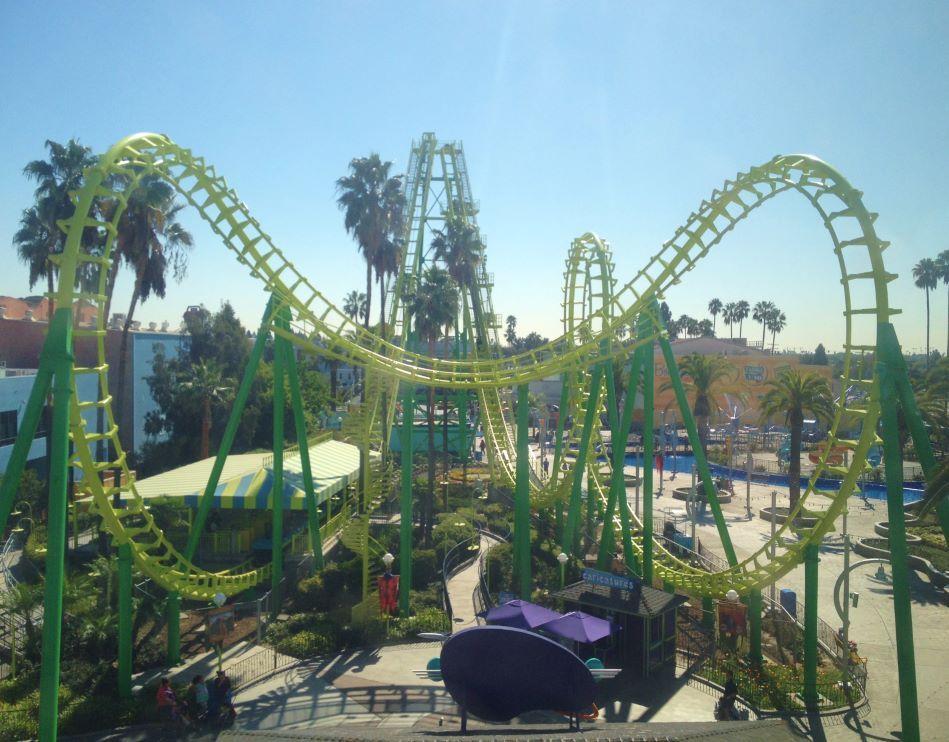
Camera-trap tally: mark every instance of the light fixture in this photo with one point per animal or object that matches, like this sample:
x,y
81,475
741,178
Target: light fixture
x,y
219,599
387,559
562,558
732,596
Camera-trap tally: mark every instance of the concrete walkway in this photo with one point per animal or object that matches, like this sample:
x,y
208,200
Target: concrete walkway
x,y
871,622
463,586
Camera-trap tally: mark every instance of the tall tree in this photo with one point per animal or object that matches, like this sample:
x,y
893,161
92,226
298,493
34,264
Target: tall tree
x,y
942,265
714,307
434,307
151,241
510,333
206,384
706,329
776,323
373,206
702,375
792,394
728,316
741,313
354,305
39,235
760,313
926,276
459,246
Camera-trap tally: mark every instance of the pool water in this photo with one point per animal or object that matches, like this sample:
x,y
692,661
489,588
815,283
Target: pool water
x,y
682,464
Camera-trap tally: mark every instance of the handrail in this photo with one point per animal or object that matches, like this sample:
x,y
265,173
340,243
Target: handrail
x,y
450,566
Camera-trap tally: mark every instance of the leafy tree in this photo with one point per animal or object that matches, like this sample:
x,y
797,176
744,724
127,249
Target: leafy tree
x,y
206,384
373,204
702,375
792,394
776,323
926,276
820,355
760,313
354,305
714,307
741,314
942,265
530,341
39,235
510,333
25,600
729,317
150,240
434,308
705,329
459,246
665,315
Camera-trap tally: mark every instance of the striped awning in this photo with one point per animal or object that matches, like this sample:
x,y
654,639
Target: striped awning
x,y
334,466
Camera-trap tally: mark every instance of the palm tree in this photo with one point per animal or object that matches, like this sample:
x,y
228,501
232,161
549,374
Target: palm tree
x,y
714,307
434,306
942,265
24,600
459,246
705,329
150,240
728,316
760,313
39,236
373,206
702,375
104,569
510,333
354,305
926,276
741,313
206,384
685,325
792,394
775,324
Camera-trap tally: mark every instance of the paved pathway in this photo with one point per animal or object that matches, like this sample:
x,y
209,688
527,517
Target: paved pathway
x,y
463,586
871,622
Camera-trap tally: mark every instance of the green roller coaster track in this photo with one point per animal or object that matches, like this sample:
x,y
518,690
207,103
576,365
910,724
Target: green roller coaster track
x,y
602,322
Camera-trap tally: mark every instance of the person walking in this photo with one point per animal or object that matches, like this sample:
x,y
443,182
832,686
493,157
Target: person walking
x,y
221,694
546,464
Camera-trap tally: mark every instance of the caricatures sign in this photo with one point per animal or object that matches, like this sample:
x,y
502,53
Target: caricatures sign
x,y
732,618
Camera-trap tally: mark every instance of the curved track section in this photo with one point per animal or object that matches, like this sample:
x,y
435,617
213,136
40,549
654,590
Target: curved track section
x,y
587,341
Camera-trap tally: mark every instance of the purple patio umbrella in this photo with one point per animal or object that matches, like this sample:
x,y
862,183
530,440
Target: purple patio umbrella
x,y
520,614
579,627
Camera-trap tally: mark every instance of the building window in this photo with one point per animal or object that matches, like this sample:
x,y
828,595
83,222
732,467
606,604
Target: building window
x,y
7,427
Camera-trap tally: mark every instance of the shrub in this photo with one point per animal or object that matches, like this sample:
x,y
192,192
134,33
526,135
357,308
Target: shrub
x,y
305,644
425,567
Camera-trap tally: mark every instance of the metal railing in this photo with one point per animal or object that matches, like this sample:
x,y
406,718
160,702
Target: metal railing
x,y
259,664
456,558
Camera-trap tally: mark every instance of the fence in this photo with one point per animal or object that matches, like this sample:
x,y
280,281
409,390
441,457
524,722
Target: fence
x,y
260,663
458,557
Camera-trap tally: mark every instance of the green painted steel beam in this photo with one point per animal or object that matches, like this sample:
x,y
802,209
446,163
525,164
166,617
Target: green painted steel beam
x,y
811,657
299,424
701,462
59,344
230,431
125,621
649,365
522,518
406,514
276,533
575,505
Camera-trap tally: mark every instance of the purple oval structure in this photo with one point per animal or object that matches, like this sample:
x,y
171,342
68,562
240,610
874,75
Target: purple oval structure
x,y
499,672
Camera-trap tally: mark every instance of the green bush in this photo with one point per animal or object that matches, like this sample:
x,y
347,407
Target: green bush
x,y
425,567
427,619
305,644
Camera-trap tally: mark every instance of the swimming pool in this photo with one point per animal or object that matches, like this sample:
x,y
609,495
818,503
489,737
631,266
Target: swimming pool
x,y
682,464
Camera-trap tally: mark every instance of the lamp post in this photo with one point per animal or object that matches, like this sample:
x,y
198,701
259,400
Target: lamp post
x,y
219,600
562,558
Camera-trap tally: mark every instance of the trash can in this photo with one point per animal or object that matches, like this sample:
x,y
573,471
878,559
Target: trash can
x,y
789,601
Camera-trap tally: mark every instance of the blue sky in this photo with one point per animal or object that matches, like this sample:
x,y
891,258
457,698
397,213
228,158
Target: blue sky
x,y
612,117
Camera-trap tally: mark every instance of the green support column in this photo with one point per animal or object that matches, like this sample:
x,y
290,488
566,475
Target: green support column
x,y
575,506
701,463
27,432
227,440
405,525
522,520
617,496
125,620
276,493
173,618
811,561
649,366
708,612
754,615
299,424
565,381
58,352
888,351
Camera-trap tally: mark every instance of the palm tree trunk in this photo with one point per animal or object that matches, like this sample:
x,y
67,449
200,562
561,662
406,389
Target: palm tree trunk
x,y
763,328
741,324
478,311
927,327
123,349
206,429
714,322
368,294
794,463
445,448
49,286
774,336
110,287
382,308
